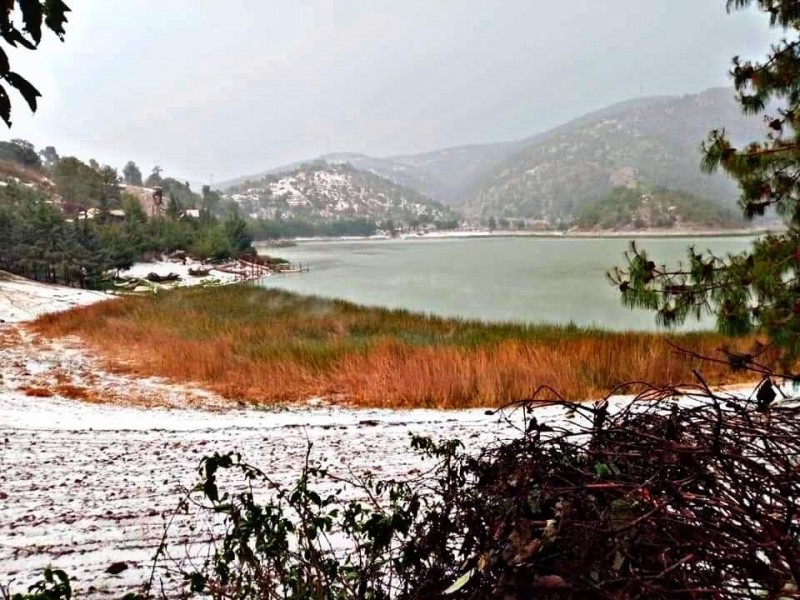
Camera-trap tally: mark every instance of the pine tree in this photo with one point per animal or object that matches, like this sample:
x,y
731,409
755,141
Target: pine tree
x,y
757,290
132,174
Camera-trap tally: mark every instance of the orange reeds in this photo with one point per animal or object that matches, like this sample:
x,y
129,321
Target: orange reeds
x,y
266,346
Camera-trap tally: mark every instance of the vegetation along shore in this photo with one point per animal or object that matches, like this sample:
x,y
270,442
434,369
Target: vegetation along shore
x,y
262,346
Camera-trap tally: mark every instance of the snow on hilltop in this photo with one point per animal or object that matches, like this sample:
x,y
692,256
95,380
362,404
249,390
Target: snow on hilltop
x,y
325,192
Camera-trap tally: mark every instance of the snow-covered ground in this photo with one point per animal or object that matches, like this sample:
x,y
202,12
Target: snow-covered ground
x,y
22,299
87,483
91,460
84,486
164,268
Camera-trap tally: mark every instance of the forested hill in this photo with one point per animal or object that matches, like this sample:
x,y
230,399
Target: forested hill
x,y
648,143
66,221
322,192
625,209
652,141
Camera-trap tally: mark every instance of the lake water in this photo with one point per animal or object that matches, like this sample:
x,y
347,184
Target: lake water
x,y
537,280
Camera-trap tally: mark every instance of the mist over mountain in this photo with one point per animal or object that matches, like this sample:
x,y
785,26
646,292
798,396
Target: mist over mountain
x,y
650,143
645,142
445,175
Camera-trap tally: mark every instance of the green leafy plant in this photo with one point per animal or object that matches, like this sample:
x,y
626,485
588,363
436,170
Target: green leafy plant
x,y
54,585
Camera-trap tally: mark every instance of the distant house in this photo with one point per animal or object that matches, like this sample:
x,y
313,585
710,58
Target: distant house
x,y
91,214
191,213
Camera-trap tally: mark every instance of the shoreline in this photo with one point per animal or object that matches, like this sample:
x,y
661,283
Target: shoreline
x,y
485,234
105,430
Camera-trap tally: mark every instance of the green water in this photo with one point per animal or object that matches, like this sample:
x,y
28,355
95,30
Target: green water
x,y
536,280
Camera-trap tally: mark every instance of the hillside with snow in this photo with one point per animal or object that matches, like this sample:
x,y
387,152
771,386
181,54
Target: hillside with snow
x,y
555,175
326,192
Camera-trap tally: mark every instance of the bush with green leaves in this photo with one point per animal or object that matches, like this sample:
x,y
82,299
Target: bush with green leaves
x,y
54,585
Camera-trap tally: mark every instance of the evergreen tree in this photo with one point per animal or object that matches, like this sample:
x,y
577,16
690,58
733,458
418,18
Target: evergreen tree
x,y
50,157
132,174
154,179
79,186
237,232
211,200
111,191
174,207
757,290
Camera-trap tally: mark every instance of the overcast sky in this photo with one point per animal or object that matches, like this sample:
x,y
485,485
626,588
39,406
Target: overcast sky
x,y
204,87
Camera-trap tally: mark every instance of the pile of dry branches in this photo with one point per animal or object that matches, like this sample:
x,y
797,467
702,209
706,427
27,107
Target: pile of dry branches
x,y
655,499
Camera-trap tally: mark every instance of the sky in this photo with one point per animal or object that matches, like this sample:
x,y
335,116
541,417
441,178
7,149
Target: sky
x,y
213,90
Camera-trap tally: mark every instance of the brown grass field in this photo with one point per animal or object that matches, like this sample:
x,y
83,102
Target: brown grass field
x,y
264,346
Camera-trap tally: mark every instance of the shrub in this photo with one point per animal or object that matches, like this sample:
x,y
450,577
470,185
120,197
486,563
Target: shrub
x,y
654,499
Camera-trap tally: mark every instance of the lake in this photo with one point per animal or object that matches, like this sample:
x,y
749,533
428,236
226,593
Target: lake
x,y
523,279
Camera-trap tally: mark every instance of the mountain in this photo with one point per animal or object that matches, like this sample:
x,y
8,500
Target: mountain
x,y
446,175
651,142
320,191
443,175
551,176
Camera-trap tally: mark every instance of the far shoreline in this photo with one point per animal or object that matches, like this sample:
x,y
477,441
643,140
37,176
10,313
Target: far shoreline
x,y
556,235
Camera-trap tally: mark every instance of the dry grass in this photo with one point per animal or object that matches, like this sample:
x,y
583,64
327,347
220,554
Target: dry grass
x,y
75,392
267,346
37,392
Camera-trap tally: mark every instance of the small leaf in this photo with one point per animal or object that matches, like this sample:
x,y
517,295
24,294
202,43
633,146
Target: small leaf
x,y
619,562
765,395
24,87
5,106
602,470
459,583
32,15
56,16
14,37
210,490
197,582
4,65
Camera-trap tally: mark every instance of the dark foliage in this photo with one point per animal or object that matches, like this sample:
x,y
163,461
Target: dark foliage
x,y
273,229
659,208
35,16
39,242
21,152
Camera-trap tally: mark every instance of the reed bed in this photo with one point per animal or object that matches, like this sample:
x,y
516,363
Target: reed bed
x,y
267,346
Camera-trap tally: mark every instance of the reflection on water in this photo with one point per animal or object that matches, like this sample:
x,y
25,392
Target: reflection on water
x,y
498,279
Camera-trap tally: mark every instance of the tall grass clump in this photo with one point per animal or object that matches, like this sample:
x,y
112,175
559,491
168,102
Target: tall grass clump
x,y
267,346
